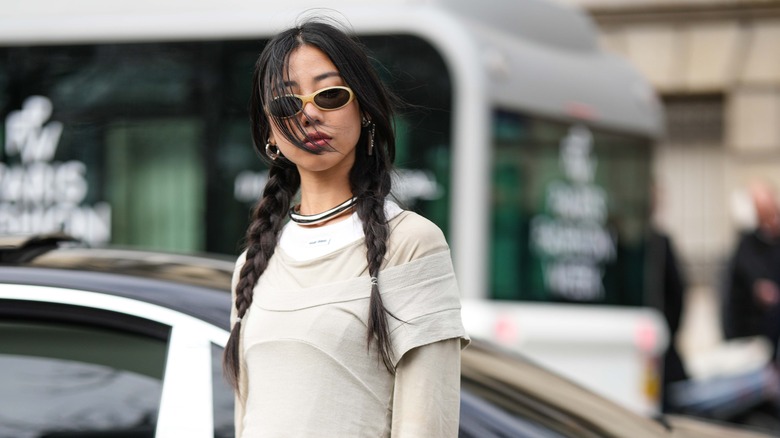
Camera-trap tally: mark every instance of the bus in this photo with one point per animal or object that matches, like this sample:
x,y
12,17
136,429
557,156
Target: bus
x,y
530,146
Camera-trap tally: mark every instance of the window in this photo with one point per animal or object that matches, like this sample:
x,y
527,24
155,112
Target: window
x,y
223,397
482,419
148,144
695,119
63,379
570,209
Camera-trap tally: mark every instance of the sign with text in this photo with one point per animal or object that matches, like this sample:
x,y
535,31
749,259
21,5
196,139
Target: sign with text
x,y
38,194
571,237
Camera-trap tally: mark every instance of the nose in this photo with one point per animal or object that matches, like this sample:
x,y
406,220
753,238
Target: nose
x,y
310,114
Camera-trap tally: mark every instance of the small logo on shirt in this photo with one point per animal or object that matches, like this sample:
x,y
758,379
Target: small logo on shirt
x,y
319,242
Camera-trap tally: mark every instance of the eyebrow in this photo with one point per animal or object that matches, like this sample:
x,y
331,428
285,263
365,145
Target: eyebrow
x,y
317,78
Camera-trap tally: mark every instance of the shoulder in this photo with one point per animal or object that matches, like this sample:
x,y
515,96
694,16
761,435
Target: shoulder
x,y
409,226
240,261
412,236
237,270
751,242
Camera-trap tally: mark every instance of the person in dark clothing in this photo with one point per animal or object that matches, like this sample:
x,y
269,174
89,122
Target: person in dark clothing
x,y
669,290
752,297
750,306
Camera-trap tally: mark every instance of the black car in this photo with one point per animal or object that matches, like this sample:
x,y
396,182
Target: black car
x,y
123,343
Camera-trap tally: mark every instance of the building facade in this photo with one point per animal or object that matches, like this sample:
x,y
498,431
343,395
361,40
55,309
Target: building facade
x,y
717,66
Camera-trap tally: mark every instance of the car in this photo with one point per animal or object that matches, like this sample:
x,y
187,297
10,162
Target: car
x,y
102,342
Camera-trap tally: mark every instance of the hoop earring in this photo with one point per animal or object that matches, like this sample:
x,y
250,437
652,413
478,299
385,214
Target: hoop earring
x,y
272,155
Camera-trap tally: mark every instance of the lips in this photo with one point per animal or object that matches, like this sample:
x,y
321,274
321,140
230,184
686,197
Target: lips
x,y
317,141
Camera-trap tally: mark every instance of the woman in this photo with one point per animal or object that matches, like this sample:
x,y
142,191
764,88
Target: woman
x,y
316,349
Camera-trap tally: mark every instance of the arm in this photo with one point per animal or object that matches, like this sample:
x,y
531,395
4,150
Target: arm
x,y
426,399
240,397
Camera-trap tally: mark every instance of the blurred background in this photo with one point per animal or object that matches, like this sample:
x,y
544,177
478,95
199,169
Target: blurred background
x,y
557,143
716,68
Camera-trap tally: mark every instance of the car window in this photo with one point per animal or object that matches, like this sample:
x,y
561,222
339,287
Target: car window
x,y
482,419
511,413
223,397
64,380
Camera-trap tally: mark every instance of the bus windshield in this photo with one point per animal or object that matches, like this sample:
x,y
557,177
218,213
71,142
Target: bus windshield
x,y
570,212
147,144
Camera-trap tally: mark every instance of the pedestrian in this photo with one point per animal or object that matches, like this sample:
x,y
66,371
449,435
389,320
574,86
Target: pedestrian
x,y
752,301
346,317
666,285
669,287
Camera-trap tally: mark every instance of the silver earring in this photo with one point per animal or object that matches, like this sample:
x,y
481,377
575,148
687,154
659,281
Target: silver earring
x,y
366,122
271,154
371,140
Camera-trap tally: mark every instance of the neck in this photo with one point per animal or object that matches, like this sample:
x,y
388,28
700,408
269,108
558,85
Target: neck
x,y
321,194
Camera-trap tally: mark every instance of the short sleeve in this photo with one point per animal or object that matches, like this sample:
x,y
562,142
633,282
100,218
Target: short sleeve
x,y
423,299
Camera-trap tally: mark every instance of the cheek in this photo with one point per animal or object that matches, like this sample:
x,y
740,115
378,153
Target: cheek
x,y
284,145
353,132
276,131
353,126
277,135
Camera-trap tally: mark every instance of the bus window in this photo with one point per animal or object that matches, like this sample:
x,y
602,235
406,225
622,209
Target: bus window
x,y
418,75
570,211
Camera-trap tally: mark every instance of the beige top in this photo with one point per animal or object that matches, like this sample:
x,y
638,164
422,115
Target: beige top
x,y
306,369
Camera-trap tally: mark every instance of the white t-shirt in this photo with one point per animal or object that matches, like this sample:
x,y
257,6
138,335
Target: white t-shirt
x,y
305,243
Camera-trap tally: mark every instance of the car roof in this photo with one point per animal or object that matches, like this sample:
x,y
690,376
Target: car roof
x,y
198,285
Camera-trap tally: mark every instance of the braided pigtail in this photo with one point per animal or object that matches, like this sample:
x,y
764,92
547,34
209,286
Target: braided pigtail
x,y
268,218
371,182
371,211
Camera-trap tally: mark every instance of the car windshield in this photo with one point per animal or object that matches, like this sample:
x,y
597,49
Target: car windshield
x,y
525,396
480,418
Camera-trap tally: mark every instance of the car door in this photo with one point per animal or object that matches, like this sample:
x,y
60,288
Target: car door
x,y
88,364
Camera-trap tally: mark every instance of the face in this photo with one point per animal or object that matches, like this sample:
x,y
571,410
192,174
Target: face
x,y
334,133
767,209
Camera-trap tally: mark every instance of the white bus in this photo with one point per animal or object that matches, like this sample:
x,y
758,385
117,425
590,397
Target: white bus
x,y
125,122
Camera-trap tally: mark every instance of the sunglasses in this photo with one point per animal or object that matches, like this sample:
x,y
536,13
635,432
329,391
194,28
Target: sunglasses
x,y
327,99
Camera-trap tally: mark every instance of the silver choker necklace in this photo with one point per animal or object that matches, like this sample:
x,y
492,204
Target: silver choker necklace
x,y
314,219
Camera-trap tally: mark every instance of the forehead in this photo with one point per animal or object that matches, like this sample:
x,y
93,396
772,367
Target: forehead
x,y
307,64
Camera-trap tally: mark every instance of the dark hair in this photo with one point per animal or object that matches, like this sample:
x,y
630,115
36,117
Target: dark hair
x,y
370,176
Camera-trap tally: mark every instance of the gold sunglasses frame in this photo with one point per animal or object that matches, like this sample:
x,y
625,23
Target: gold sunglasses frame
x,y
309,98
